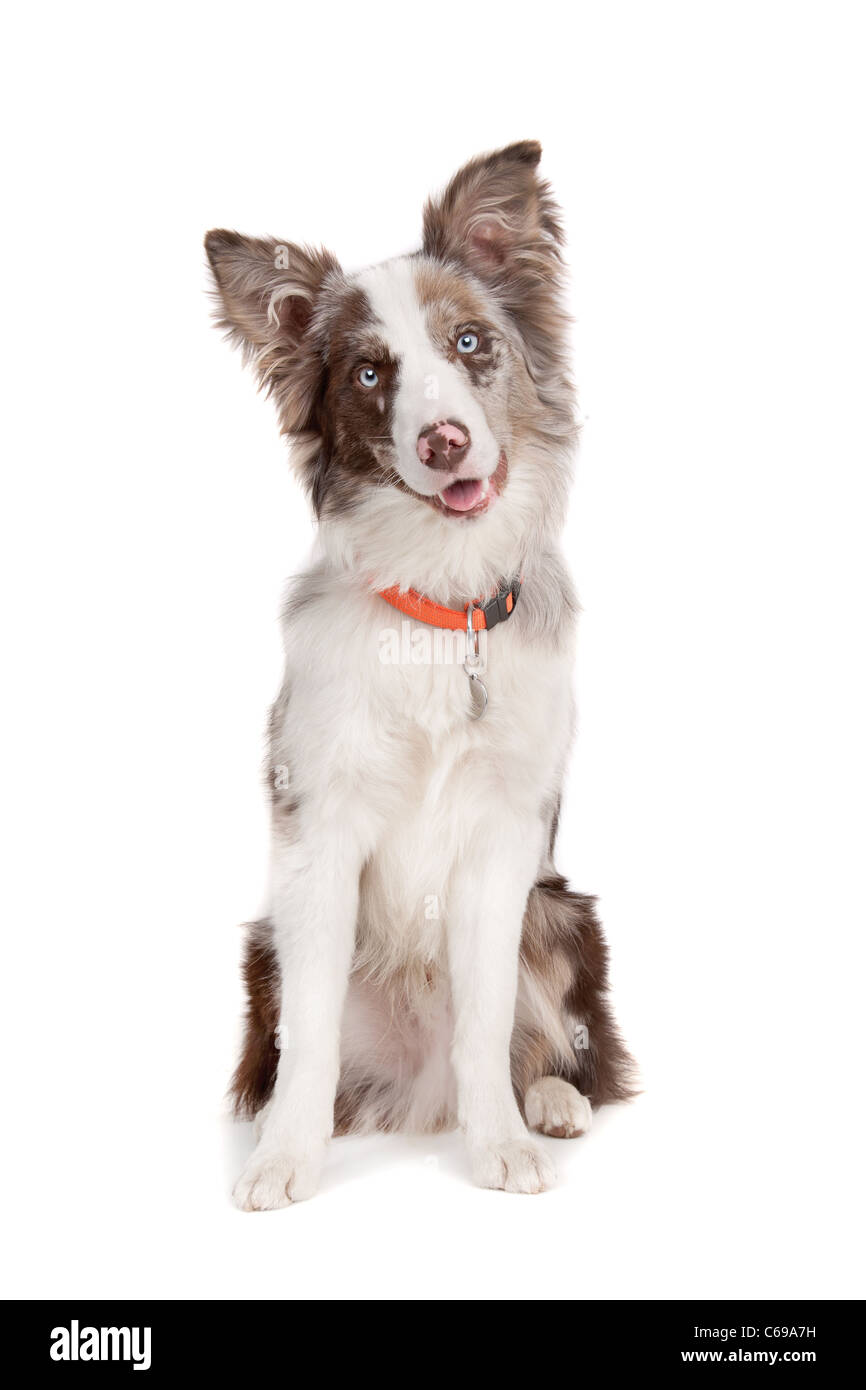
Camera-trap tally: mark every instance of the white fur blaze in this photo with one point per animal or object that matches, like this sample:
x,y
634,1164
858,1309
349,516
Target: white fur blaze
x,y
431,388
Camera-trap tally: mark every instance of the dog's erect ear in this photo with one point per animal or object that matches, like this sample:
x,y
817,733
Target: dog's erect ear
x,y
497,218
494,213
268,291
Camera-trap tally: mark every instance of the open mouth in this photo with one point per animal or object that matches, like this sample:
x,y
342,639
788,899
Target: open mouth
x,y
471,496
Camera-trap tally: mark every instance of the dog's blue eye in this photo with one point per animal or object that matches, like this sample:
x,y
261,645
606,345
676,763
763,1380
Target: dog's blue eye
x,y
467,342
368,377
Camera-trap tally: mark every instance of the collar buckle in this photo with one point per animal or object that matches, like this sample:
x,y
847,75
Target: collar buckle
x,y
502,605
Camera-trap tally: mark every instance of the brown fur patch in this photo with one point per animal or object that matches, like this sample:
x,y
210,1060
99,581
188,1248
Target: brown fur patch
x,y
355,421
253,1081
563,945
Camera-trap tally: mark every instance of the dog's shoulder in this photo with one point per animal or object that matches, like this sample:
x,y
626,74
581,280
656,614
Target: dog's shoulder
x,y
548,609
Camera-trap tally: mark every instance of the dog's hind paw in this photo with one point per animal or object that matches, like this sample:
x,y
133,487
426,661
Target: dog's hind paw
x,y
555,1107
516,1165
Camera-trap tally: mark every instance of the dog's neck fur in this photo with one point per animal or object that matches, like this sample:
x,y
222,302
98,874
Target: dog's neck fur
x,y
391,541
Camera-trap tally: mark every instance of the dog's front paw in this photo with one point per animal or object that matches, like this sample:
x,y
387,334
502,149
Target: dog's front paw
x,y
274,1179
515,1165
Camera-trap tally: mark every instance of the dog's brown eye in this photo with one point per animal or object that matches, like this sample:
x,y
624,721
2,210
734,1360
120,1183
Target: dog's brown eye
x,y
368,377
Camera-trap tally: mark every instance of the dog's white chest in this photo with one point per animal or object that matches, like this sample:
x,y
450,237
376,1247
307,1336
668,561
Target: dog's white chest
x,y
406,884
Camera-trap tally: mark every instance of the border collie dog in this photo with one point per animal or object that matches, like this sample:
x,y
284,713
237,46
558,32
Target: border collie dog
x,y
423,965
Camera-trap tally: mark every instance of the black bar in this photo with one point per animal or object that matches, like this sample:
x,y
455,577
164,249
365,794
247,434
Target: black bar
x,y
246,1337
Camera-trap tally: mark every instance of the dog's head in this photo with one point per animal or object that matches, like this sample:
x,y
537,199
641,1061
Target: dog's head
x,y
427,396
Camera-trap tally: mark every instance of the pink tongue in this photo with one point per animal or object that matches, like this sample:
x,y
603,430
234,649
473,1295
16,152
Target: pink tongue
x,y
463,496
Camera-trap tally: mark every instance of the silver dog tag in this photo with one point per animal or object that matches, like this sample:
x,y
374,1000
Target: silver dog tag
x,y
477,688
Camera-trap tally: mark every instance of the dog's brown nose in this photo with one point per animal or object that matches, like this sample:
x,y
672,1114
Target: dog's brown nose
x,y
444,445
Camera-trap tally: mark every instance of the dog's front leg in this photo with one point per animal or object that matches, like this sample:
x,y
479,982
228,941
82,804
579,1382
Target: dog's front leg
x,y
314,909
485,920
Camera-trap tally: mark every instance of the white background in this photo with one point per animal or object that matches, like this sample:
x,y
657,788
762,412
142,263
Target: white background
x,y
709,162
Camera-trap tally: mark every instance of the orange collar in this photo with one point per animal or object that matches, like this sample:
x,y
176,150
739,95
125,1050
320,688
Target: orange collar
x,y
484,615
